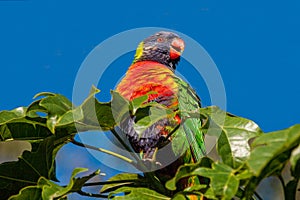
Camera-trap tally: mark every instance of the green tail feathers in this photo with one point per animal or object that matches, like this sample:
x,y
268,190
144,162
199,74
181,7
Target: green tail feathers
x,y
195,138
190,102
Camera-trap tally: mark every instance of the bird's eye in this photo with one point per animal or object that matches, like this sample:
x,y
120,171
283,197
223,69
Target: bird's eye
x,y
160,39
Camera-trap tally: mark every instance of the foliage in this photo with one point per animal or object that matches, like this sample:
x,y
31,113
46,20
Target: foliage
x,y
247,155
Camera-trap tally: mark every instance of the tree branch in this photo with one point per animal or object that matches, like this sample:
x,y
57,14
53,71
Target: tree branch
x,y
92,195
103,151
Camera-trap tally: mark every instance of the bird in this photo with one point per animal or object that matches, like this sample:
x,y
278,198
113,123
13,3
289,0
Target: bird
x,y
152,73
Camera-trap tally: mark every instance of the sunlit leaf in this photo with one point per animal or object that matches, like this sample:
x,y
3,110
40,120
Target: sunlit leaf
x,y
30,192
56,105
233,134
70,117
270,154
44,94
137,103
295,162
269,146
6,116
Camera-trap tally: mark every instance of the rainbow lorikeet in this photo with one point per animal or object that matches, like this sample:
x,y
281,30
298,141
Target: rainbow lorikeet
x,y
152,72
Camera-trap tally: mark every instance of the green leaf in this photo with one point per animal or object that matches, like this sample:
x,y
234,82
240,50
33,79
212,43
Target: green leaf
x,y
295,162
210,194
30,192
122,180
138,102
244,175
179,197
77,183
97,115
46,189
137,194
223,181
70,117
51,123
270,153
234,134
60,117
56,104
119,107
186,170
268,147
179,144
51,190
30,167
188,196
290,190
146,117
24,129
15,125
6,116
34,109
45,94
94,90
90,115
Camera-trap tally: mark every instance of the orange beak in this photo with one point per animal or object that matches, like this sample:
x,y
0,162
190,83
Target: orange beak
x,y
176,49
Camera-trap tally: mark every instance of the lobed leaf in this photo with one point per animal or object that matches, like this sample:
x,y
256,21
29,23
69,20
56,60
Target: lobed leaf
x,y
270,153
186,171
30,192
223,182
46,189
30,167
234,134
268,147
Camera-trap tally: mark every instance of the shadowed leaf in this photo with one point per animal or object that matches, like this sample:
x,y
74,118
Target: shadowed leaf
x,y
29,168
123,179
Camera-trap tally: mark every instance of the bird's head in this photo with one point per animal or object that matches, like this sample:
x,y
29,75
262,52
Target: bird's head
x,y
163,47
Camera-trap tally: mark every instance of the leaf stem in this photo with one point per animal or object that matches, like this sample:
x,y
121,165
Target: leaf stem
x,y
108,182
92,195
257,195
115,133
286,191
139,163
281,180
172,132
103,151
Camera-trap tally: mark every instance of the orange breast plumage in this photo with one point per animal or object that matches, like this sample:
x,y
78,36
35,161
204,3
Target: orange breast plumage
x,y
150,78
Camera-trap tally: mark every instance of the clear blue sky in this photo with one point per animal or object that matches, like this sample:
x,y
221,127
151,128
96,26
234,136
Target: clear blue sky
x,y
255,45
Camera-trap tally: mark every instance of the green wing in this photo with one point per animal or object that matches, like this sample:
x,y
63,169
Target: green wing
x,y
190,129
